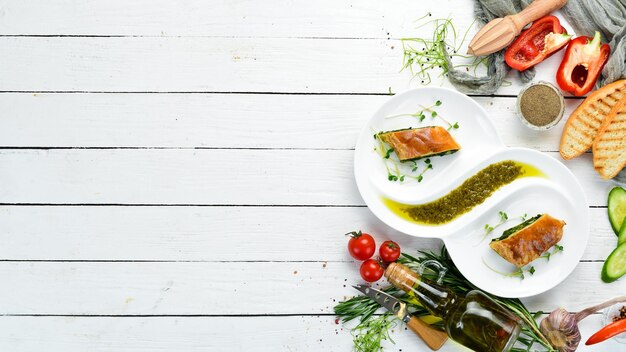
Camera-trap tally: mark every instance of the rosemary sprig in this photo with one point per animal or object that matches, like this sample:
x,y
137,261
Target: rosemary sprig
x,y
363,307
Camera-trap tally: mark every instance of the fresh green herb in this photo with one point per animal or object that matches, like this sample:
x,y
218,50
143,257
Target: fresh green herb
x,y
420,115
388,153
519,272
369,334
421,55
557,248
363,308
429,166
504,218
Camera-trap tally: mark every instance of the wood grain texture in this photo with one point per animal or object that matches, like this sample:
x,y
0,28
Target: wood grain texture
x,y
238,254
321,18
210,177
222,288
211,233
174,334
189,64
243,120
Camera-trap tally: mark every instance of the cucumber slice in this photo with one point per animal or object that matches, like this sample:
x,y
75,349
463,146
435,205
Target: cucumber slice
x,y
615,265
621,237
617,208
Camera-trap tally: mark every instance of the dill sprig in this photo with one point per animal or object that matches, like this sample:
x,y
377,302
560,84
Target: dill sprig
x,y
369,334
421,55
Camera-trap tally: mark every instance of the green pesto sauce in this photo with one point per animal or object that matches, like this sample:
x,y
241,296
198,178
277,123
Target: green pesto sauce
x,y
474,191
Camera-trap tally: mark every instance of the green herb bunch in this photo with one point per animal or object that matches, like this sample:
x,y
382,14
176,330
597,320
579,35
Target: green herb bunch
x,y
422,55
364,308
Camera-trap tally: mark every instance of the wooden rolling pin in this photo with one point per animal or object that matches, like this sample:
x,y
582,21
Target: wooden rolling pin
x,y
500,32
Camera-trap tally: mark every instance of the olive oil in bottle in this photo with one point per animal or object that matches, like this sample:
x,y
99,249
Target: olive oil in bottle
x,y
475,321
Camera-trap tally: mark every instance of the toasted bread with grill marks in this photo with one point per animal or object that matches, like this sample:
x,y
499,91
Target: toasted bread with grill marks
x,y
609,148
583,124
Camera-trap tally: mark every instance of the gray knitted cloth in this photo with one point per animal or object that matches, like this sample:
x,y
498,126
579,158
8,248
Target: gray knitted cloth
x,y
585,16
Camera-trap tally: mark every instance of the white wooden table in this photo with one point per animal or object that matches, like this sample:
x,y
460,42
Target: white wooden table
x,y
177,175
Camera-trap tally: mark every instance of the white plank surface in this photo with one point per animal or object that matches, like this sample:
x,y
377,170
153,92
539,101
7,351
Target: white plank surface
x,y
192,64
204,176
243,120
141,242
220,288
295,18
140,334
210,233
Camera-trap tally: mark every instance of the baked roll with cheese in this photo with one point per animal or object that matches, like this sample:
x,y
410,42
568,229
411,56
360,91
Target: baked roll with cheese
x,y
416,143
527,241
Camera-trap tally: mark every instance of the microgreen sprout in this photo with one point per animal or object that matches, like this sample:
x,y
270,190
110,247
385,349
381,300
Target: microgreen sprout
x,y
423,55
420,115
557,248
392,165
519,272
504,218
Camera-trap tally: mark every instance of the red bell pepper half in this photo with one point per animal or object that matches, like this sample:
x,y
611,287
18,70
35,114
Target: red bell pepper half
x,y
545,37
607,332
583,61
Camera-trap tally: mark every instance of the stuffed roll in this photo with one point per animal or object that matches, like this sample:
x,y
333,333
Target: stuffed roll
x,y
416,143
527,241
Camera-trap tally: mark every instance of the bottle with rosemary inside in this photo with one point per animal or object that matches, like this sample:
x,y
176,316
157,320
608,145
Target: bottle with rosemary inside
x,y
475,321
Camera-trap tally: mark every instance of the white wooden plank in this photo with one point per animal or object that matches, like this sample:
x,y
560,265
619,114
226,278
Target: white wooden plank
x,y
210,233
207,176
222,288
166,64
284,18
139,334
244,120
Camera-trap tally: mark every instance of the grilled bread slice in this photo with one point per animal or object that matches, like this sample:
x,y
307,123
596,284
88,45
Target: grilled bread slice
x,y
609,148
583,124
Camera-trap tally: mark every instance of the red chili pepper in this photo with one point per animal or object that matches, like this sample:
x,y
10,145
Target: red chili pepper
x,y
545,37
607,332
583,61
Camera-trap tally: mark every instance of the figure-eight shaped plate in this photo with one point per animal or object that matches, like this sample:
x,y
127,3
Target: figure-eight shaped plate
x,y
558,194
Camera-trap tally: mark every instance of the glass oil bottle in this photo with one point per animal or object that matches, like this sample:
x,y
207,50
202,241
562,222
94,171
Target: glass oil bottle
x,y
475,321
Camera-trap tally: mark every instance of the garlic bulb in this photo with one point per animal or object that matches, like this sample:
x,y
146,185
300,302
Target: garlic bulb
x,y
561,327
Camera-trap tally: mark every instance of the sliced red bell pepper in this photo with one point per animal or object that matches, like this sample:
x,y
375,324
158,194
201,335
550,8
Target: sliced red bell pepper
x,y
545,37
583,61
607,332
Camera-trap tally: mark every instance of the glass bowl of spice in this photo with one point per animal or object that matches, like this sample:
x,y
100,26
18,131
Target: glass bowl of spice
x,y
540,106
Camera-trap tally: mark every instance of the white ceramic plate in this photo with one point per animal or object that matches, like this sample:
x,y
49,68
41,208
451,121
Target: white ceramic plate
x,y
559,194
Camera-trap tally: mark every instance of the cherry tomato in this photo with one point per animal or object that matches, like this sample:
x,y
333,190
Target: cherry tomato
x,y
361,246
371,270
389,251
